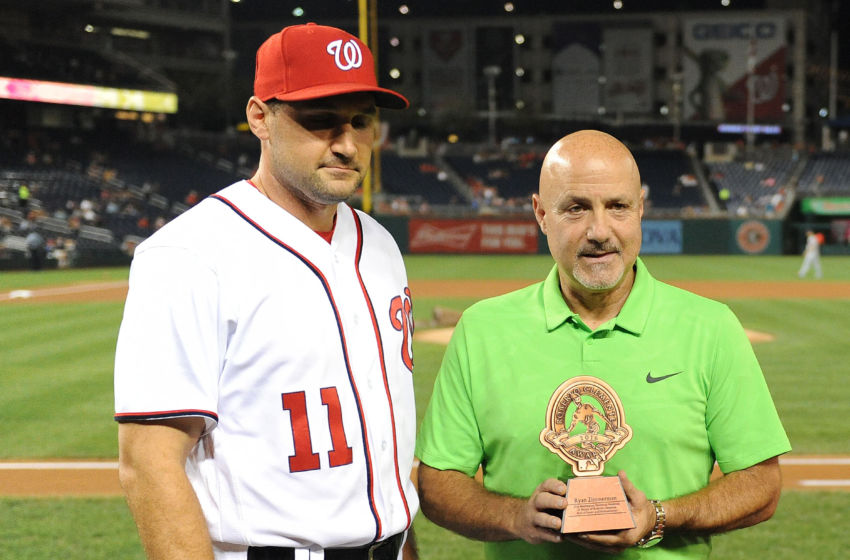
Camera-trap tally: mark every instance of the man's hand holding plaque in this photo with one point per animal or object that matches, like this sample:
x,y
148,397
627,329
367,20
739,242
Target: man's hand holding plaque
x,y
585,426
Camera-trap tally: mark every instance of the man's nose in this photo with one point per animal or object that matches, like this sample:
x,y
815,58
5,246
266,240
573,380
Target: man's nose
x,y
344,143
599,228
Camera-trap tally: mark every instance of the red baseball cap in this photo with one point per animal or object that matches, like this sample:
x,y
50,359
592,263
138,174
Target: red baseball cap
x,y
309,61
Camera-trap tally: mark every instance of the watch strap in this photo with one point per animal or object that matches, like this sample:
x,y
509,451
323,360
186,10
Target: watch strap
x,y
657,532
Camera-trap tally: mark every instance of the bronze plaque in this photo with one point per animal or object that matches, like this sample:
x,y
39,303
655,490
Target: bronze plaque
x,y
585,426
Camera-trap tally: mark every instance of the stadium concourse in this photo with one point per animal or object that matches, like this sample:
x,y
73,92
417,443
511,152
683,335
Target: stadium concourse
x,y
58,477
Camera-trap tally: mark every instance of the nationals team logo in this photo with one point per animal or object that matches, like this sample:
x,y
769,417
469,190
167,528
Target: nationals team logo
x,y
401,318
752,237
346,55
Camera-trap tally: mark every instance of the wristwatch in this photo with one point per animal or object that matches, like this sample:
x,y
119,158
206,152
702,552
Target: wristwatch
x,y
654,537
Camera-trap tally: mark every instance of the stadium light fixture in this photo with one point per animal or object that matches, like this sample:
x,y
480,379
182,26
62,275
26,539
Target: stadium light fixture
x,y
134,33
509,7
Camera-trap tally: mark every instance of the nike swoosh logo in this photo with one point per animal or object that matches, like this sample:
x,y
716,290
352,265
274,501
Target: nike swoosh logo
x,y
650,379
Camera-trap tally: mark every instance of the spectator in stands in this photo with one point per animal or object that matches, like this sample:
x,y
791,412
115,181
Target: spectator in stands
x,y
36,249
89,211
191,198
23,196
811,256
6,226
74,224
60,252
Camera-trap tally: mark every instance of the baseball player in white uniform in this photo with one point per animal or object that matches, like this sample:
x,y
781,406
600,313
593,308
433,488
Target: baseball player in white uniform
x,y
263,372
811,256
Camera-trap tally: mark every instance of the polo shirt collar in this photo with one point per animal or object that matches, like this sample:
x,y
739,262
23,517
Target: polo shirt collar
x,y
632,316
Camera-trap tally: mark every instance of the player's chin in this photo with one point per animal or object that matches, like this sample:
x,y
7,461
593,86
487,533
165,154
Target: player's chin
x,y
598,276
338,191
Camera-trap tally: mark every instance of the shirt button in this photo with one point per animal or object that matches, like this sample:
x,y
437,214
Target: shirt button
x,y
384,445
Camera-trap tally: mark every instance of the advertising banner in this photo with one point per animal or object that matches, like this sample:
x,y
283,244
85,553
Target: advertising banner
x,y
87,95
720,53
661,237
576,66
826,206
446,69
628,70
472,236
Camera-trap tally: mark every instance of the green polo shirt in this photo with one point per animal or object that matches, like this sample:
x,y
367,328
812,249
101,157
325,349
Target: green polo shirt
x,y
509,354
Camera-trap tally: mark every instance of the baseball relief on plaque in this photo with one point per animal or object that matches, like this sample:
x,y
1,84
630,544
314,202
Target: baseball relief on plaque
x,y
585,426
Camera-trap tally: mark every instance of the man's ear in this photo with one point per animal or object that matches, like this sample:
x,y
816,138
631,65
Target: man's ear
x,y
539,212
257,114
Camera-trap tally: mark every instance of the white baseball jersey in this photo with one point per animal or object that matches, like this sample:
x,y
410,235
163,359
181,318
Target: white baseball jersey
x,y
297,353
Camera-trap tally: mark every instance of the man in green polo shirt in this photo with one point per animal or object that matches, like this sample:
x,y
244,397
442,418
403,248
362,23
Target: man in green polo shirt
x,y
679,366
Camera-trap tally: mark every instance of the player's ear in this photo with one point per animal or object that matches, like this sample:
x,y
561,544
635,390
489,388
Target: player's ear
x,y
539,212
257,114
641,202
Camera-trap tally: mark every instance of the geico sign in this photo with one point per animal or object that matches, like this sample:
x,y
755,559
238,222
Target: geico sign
x,y
744,30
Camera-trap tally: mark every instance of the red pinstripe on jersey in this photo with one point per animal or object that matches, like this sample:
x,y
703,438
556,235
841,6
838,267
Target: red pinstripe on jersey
x,y
381,357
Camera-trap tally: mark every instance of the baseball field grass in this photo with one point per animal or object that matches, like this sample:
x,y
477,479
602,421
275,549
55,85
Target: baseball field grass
x,y
56,399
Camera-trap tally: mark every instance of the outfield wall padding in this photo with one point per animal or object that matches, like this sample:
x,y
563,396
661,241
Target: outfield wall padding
x,y
671,237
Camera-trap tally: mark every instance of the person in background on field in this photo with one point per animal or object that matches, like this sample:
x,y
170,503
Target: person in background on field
x,y
811,255
691,388
263,371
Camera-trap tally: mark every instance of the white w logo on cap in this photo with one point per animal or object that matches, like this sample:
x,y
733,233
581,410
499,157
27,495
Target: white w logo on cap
x,y
350,52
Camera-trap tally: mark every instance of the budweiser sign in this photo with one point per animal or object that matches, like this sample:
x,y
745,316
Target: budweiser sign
x,y
472,236
430,235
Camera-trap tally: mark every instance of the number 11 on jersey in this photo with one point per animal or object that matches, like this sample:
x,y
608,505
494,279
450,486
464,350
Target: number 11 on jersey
x,y
304,459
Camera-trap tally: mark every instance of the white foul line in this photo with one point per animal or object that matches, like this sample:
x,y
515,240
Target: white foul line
x,y
821,482
60,466
814,460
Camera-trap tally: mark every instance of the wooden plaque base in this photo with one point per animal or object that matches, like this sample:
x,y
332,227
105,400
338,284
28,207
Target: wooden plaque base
x,y
596,503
